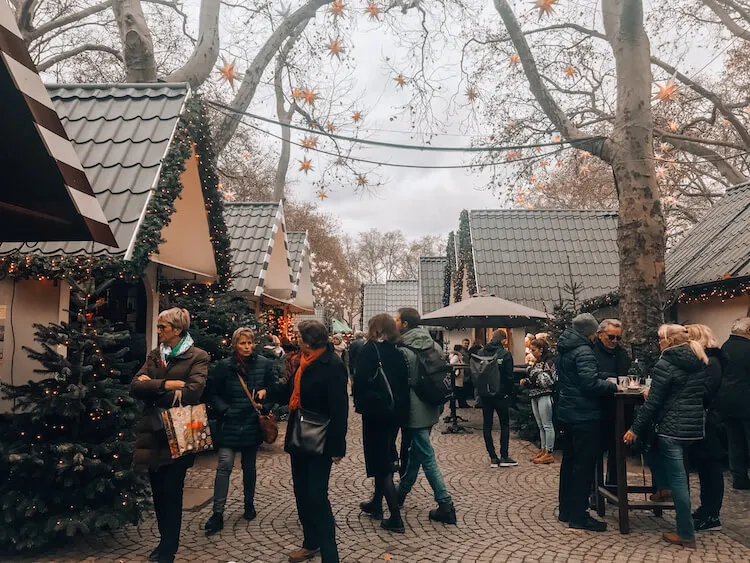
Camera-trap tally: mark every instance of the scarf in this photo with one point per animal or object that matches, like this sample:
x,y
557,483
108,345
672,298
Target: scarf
x,y
305,361
167,354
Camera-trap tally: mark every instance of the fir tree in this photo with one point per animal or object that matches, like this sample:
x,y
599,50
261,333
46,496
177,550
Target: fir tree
x,y
67,452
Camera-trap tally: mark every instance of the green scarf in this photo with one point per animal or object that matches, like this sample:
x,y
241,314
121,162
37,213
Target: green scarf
x,y
168,353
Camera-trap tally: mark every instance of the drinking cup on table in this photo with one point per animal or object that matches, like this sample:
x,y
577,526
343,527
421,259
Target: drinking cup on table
x,y
622,381
648,383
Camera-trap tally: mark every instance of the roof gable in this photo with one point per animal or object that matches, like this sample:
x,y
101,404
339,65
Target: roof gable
x,y
527,256
717,247
399,294
431,283
373,301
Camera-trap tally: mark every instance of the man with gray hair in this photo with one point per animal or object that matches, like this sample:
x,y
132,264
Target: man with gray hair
x,y
732,402
581,392
613,361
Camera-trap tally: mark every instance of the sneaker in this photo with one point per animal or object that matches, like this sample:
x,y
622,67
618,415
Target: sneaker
x,y
673,538
708,524
494,463
590,524
215,524
444,513
250,514
508,461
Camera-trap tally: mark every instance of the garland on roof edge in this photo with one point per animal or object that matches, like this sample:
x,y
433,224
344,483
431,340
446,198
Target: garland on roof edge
x,y
192,132
448,272
466,254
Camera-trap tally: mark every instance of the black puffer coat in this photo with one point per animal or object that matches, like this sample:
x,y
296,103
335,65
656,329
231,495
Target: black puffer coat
x,y
675,400
611,362
238,420
735,388
580,387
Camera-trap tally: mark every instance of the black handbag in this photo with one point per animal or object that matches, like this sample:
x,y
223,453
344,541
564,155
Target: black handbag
x,y
309,432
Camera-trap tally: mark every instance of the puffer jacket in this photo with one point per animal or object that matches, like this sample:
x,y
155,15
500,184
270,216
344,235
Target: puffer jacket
x,y
238,419
675,401
731,401
421,415
580,387
612,362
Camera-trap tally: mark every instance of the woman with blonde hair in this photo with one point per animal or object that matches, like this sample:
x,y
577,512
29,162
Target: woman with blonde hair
x,y
176,369
674,409
231,383
708,454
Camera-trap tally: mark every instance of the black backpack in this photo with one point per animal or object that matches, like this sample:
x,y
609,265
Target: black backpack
x,y
376,396
433,385
486,373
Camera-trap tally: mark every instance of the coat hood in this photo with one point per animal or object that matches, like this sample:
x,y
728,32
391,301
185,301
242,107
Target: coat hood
x,y
492,348
418,338
683,357
571,339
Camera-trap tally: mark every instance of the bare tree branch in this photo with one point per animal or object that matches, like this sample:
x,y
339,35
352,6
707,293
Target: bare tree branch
x,y
66,20
198,67
50,62
732,26
698,149
137,45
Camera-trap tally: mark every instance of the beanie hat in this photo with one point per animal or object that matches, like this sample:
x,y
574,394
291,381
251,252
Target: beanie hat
x,y
586,324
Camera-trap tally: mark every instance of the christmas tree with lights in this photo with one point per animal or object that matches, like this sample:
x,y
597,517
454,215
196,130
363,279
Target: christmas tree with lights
x,y
67,454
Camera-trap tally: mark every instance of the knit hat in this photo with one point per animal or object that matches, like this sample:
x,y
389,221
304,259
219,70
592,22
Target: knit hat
x,y
586,324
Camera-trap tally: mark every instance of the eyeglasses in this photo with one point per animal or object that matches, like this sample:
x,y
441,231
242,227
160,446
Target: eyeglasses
x,y
613,337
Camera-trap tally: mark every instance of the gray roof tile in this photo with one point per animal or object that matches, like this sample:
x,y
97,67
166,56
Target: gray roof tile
x,y
297,248
522,255
431,283
121,134
250,228
373,301
717,246
401,293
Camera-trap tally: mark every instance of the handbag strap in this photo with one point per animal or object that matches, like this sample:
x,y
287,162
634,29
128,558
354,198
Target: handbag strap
x,y
247,392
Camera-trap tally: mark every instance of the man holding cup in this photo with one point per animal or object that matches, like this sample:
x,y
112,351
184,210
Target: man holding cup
x,y
614,364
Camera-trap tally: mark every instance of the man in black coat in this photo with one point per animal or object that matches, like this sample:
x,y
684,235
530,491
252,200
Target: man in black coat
x,y
581,391
613,361
732,402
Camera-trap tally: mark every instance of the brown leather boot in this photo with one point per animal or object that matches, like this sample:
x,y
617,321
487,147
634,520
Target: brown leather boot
x,y
545,459
540,453
664,495
673,538
302,554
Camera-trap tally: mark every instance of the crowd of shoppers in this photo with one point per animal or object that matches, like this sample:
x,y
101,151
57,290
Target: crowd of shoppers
x,y
697,388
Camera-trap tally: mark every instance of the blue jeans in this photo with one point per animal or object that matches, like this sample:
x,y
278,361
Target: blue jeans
x,y
422,455
541,406
224,470
668,467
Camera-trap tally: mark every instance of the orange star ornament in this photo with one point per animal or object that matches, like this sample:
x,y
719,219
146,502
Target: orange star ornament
x,y
673,126
305,165
309,96
337,8
335,48
373,11
400,80
310,142
545,7
357,116
570,71
228,71
331,127
361,180
515,58
666,92
472,94
322,195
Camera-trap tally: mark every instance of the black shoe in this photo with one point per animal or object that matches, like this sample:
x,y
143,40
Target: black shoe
x,y
215,524
372,509
698,514
444,513
154,555
562,517
508,461
590,524
708,524
393,524
741,484
250,514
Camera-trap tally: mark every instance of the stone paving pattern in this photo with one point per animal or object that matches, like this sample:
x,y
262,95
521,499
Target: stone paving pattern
x,y
505,514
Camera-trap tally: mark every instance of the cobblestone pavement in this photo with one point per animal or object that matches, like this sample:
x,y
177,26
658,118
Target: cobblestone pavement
x,y
506,514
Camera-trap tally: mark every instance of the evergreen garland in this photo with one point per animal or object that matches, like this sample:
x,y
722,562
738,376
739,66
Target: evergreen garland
x,y
362,307
448,274
466,253
192,133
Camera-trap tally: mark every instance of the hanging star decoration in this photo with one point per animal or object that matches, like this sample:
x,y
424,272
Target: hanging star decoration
x,y
373,11
532,179
672,163
515,58
540,187
559,163
661,172
296,93
357,116
309,96
673,125
513,155
305,165
331,127
556,139
335,48
472,94
570,71
228,71
545,7
361,180
400,80
544,164
585,169
337,8
322,195
665,147
667,92
245,155
310,142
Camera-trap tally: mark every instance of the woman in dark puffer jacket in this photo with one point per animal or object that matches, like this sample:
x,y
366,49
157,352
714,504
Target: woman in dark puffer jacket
x,y
674,408
239,428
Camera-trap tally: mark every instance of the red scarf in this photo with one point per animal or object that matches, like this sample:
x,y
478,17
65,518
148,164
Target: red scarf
x,y
305,361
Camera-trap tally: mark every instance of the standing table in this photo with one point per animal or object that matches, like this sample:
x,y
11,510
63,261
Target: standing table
x,y
618,494
454,427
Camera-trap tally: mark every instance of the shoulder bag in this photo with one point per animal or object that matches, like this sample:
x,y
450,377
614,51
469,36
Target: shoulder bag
x,y
269,428
308,433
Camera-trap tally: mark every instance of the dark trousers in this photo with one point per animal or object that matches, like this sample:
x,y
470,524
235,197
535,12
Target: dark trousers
x,y
310,475
167,484
738,440
384,488
224,470
404,451
581,446
711,476
501,406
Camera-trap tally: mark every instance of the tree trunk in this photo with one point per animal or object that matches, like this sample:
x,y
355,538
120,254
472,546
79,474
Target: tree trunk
x,y
200,64
641,231
135,36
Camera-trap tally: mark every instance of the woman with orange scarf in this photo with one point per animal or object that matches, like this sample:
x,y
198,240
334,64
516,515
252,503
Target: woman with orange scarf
x,y
319,387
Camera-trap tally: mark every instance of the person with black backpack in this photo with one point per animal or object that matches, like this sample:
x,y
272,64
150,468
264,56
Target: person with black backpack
x,y
381,396
429,382
493,367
